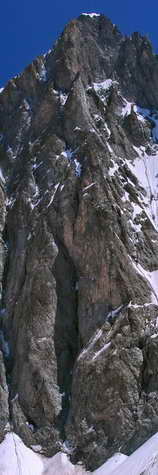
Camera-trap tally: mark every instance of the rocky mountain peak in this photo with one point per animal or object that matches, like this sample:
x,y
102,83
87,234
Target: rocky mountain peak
x,y
79,245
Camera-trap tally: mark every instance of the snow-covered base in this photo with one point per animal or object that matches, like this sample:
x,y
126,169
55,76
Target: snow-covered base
x,y
16,458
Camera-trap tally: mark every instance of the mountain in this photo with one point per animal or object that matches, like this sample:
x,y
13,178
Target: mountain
x,y
79,246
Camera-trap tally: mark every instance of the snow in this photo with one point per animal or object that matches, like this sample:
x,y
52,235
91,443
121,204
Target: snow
x,y
70,155
145,168
76,129
53,195
111,464
151,278
42,73
103,349
136,210
106,128
16,458
143,461
147,114
10,153
78,167
103,85
126,109
1,89
89,186
60,464
96,337
91,15
2,176
63,98
134,305
113,169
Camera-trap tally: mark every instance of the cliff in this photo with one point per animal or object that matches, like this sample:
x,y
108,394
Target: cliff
x,y
79,245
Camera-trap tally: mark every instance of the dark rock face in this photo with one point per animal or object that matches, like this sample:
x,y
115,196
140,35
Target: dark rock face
x,y
79,245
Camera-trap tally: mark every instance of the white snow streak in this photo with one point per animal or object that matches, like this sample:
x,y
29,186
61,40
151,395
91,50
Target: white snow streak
x,y
103,349
97,336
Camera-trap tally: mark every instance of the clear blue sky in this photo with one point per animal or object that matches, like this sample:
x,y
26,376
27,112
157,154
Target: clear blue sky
x,y
30,27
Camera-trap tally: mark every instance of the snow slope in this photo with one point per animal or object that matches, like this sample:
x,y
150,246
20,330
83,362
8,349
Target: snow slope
x,y
108,467
144,461
17,459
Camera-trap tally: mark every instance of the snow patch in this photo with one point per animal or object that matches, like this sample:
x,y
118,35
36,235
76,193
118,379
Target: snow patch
x,y
151,278
145,168
63,98
71,156
103,85
42,73
113,169
91,15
